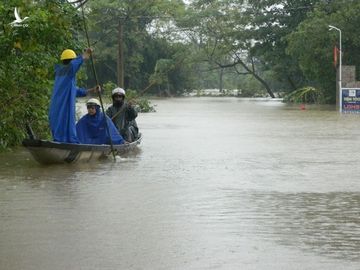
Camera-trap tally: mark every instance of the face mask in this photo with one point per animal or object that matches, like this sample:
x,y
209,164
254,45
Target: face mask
x,y
118,102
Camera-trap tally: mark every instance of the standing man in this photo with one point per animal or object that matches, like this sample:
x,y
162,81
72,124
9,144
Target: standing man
x,y
62,105
123,115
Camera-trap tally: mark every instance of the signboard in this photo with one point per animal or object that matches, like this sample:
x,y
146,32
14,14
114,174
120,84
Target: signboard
x,y
350,100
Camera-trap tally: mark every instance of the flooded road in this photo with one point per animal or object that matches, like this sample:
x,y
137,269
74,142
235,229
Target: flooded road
x,y
219,183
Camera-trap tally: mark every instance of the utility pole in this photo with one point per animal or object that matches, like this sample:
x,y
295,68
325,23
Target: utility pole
x,y
120,59
340,68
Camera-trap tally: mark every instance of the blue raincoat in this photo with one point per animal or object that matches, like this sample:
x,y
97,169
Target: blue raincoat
x,y
91,129
62,106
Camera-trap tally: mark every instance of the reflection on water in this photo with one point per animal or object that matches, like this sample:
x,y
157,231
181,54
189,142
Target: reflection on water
x,y
219,183
326,223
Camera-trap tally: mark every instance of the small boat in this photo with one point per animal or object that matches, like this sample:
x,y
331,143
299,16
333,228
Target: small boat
x,y
50,152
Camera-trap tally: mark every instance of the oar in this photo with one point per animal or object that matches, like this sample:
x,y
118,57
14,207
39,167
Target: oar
x,y
118,113
97,82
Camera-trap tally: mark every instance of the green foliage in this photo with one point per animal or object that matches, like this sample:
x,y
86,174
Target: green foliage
x,y
140,49
220,30
271,22
306,95
28,55
173,47
289,39
107,88
162,69
142,104
315,55
251,88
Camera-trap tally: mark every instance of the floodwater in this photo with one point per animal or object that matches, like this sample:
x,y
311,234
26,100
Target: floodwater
x,y
219,183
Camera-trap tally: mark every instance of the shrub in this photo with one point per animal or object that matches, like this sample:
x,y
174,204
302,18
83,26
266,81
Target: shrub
x,y
306,94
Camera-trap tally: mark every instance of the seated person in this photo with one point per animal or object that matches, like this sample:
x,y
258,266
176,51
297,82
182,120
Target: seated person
x,y
123,115
91,128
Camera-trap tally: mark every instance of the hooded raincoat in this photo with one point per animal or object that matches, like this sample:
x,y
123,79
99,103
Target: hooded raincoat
x,y
62,106
124,120
91,129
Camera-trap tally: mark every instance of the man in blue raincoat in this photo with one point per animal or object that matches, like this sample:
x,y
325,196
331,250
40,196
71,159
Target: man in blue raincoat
x,y
92,128
62,105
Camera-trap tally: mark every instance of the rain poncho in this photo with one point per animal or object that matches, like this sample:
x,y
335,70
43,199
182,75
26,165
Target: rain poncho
x,y
62,105
91,129
124,120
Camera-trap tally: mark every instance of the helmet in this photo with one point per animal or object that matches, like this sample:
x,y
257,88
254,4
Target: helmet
x,y
118,91
67,54
93,101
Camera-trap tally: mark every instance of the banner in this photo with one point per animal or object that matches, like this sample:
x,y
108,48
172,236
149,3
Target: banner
x,y
350,100
335,56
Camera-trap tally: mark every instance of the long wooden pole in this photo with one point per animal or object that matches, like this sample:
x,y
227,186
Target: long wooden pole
x,y
97,82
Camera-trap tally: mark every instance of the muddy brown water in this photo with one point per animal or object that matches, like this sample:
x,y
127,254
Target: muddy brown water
x,y
219,183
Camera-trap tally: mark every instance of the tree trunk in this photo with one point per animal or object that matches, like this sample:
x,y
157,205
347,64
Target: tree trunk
x,y
292,84
264,83
221,80
248,71
252,72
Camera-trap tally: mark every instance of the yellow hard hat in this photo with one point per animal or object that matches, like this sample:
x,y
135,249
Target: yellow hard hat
x,y
67,54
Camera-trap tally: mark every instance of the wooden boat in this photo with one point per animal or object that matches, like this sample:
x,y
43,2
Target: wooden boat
x,y
50,152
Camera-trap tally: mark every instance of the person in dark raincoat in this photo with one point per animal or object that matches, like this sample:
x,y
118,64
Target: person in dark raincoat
x,y
62,106
123,115
91,128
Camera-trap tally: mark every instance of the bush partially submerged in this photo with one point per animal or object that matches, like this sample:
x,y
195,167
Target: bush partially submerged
x,y
141,104
306,94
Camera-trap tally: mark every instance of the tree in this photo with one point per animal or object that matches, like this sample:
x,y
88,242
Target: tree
x,y
315,55
29,52
220,31
269,24
136,18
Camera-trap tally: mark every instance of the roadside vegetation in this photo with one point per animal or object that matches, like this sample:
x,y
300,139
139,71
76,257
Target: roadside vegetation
x,y
169,48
